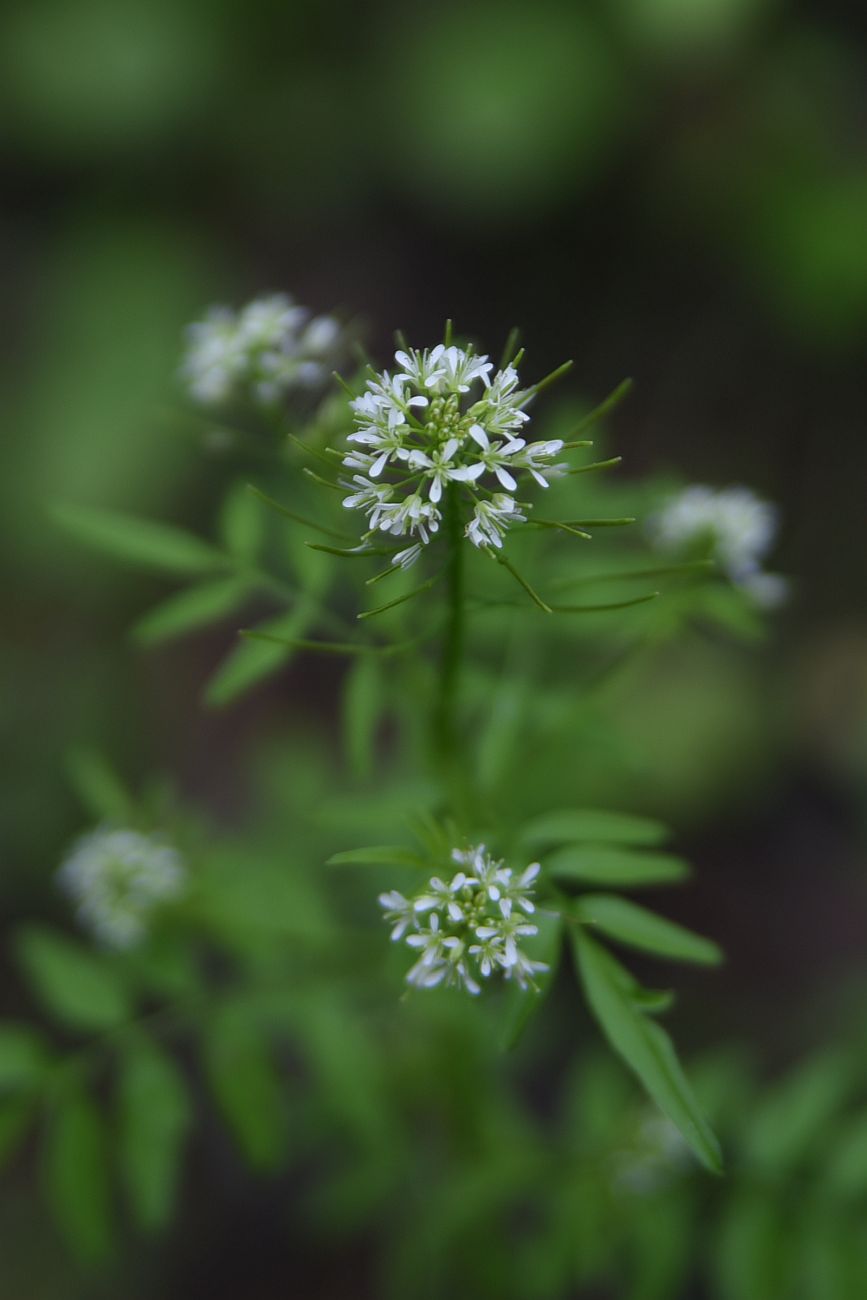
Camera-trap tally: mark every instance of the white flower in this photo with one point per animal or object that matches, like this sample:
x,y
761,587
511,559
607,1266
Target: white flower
x,y
412,515
214,360
399,910
261,352
370,497
441,420
465,929
117,879
491,519
734,525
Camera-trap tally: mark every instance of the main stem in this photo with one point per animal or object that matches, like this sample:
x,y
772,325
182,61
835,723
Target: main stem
x,y
445,729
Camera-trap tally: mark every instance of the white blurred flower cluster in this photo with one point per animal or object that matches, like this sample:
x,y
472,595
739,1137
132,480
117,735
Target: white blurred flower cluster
x,y
261,352
117,879
442,418
467,929
735,525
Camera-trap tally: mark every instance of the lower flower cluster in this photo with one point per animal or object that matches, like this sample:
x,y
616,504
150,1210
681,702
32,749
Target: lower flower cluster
x,y
470,928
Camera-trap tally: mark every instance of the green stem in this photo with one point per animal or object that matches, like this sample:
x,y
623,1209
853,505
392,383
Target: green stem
x,y
453,638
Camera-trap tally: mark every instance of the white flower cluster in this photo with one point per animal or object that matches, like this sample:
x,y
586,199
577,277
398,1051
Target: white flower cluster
x,y
442,418
263,351
737,527
117,879
469,928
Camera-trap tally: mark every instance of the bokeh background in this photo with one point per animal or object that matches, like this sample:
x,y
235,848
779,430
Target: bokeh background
x,y
670,189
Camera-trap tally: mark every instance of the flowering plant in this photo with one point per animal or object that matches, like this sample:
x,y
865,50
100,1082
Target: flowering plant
x,y
461,720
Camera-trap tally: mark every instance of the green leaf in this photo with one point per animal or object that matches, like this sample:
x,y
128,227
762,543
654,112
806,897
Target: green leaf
x,y
400,600
241,524
522,582
605,407
732,609
190,609
754,1249
643,1045
252,659
795,1116
378,855
23,1057
574,825
603,865
246,1085
162,548
363,695
77,987
522,1004
638,928
845,1166
154,1114
100,791
298,519
605,606
75,1174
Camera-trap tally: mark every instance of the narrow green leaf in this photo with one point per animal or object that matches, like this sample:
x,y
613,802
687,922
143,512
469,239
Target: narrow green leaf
x,y
605,407
639,928
643,1045
795,1117
190,609
602,523
546,382
298,519
323,482
322,647
611,463
246,1085
99,789
594,825
162,548
510,347
251,661
350,552
75,1175
241,525
845,1166
154,1117
591,864
379,855
562,526
400,600
753,1257
76,986
313,452
629,575
534,595
23,1057
363,698
603,608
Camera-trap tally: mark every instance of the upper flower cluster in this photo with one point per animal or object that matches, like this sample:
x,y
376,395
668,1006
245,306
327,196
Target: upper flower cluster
x,y
736,526
470,927
262,351
118,878
442,418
